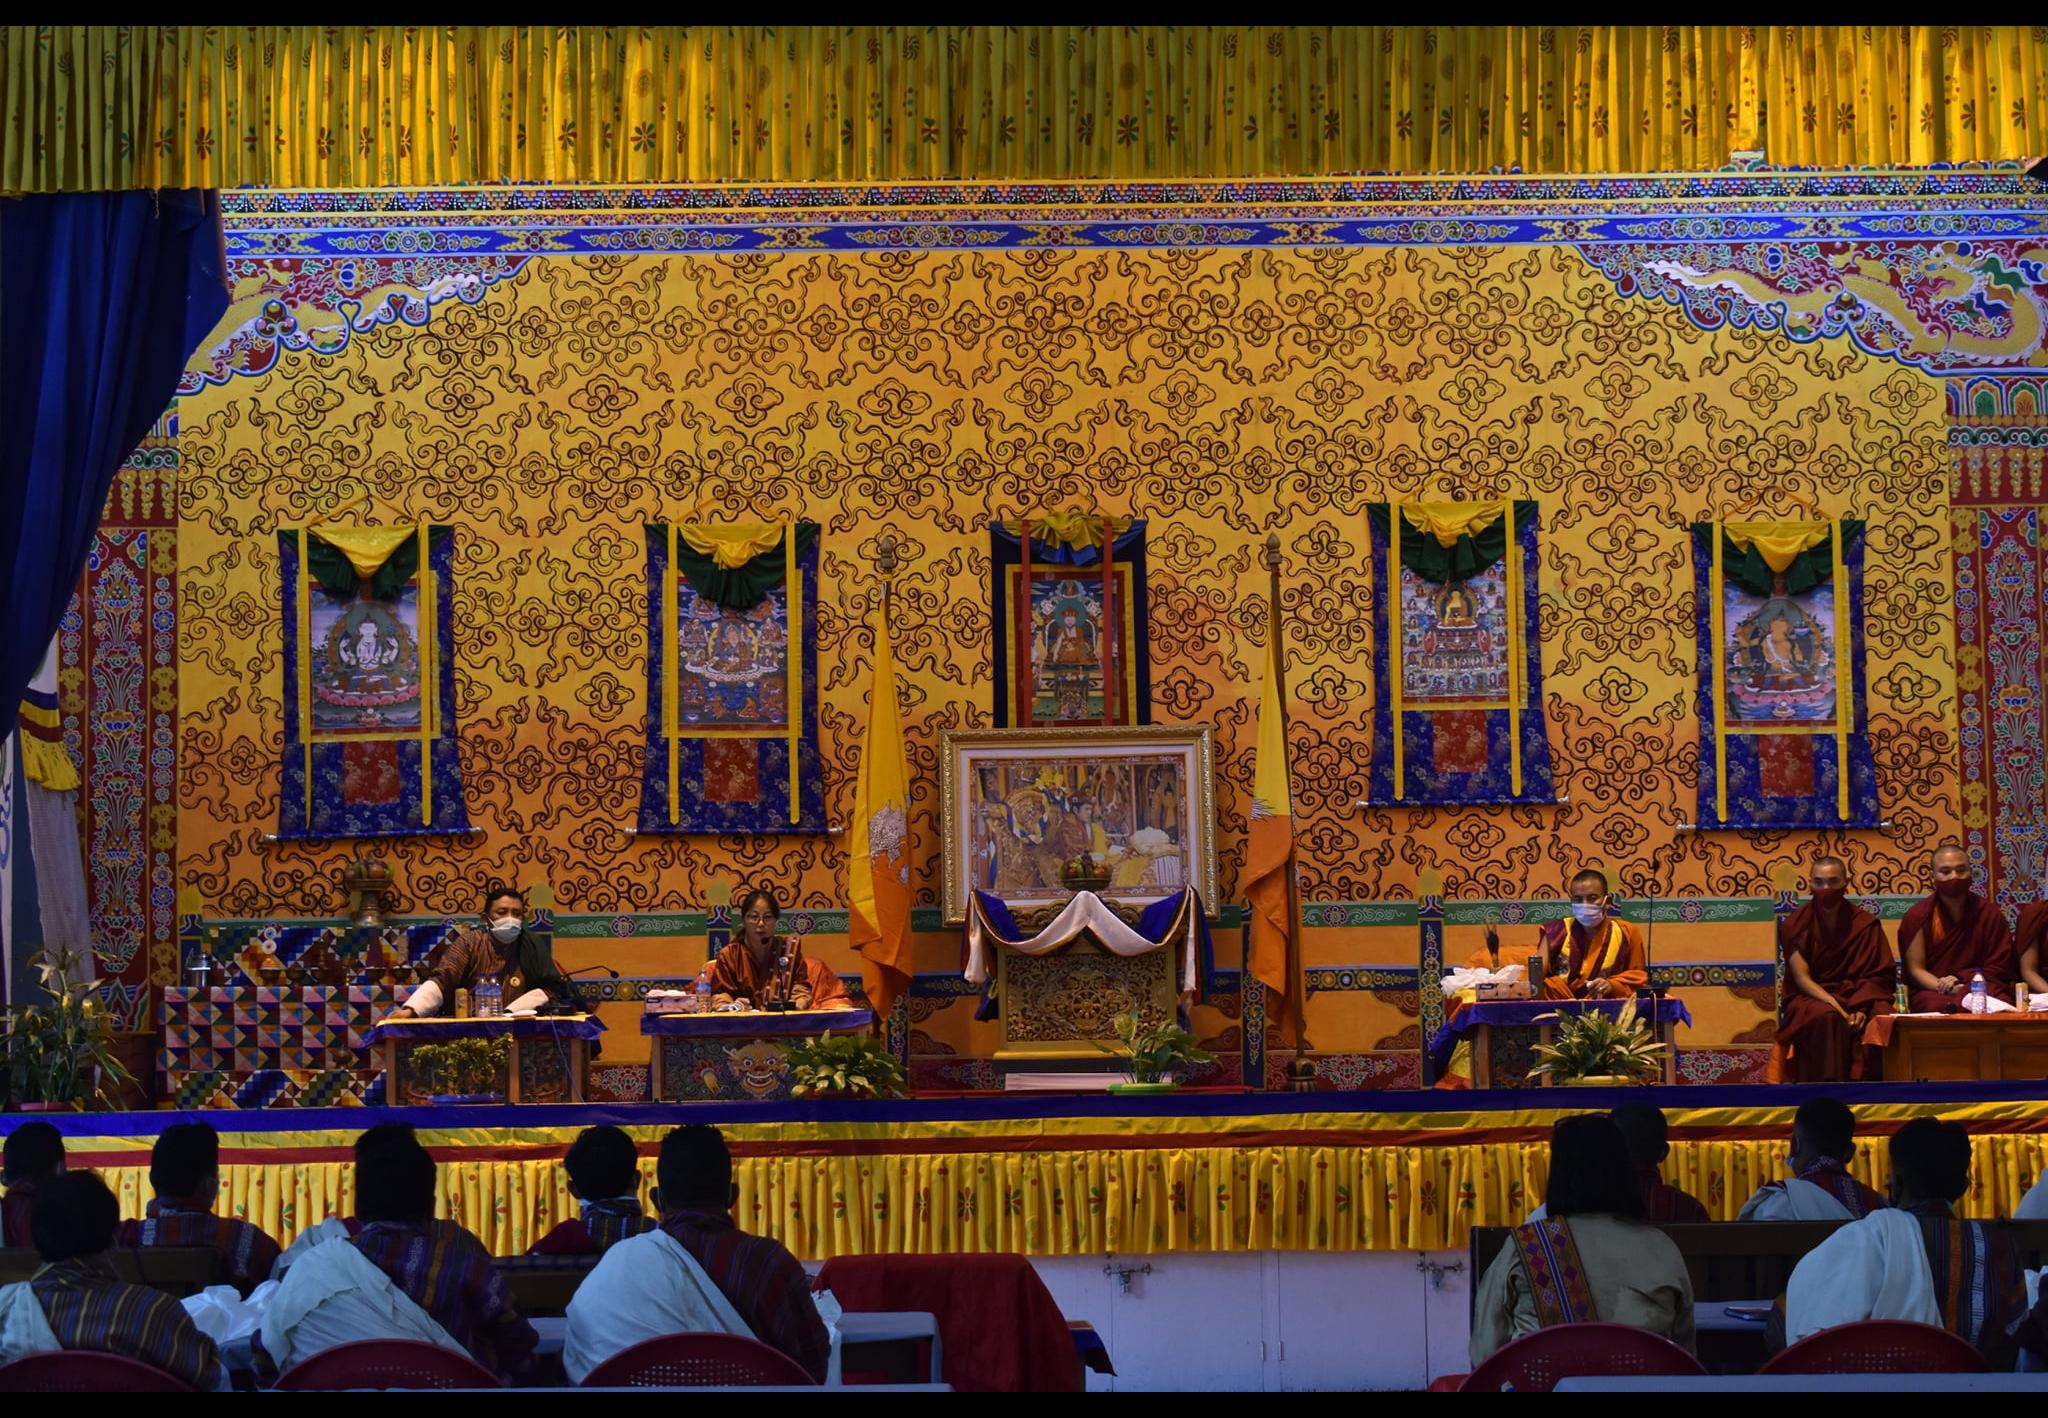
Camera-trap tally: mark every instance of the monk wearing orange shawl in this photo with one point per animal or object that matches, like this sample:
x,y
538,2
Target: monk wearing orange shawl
x,y
1840,969
1595,954
1951,936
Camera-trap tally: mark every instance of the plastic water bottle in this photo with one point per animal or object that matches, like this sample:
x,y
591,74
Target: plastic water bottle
x,y
704,990
490,998
1979,998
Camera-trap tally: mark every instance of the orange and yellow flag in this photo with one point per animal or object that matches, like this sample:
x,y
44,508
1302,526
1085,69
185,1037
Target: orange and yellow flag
x,y
878,854
1269,854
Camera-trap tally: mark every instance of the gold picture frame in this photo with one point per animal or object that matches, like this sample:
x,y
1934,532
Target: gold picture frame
x,y
1034,815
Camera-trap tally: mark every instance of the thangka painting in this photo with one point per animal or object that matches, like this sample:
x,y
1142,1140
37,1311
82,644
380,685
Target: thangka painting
x,y
732,684
1036,815
1459,717
1783,741
369,683
1069,617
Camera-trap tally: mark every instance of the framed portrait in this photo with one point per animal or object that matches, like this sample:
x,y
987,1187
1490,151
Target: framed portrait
x,y
1035,815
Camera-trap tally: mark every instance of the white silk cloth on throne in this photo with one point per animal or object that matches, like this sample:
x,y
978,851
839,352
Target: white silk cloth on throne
x,y
1090,914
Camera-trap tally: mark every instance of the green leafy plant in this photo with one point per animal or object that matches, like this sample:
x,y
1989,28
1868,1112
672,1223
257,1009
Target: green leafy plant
x,y
851,1063
1598,1044
62,1051
1154,1049
463,1066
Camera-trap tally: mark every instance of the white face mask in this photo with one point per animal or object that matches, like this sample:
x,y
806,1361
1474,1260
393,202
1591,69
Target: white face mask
x,y
505,930
1587,914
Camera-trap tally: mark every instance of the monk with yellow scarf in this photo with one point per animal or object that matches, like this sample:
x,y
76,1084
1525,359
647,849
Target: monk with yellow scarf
x,y
1594,954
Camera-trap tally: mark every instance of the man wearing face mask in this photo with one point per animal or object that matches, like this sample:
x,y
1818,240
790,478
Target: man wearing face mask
x,y
1951,936
504,947
1839,967
1596,954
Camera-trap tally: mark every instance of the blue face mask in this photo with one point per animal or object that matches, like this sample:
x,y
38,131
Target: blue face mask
x,y
1587,914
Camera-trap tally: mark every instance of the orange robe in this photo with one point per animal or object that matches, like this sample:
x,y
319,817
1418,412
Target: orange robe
x,y
1620,960
812,983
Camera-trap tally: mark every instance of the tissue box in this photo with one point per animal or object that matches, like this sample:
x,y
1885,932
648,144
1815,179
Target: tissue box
x,y
1488,991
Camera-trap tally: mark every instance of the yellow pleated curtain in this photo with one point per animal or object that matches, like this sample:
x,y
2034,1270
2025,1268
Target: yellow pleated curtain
x,y
342,106
1079,1201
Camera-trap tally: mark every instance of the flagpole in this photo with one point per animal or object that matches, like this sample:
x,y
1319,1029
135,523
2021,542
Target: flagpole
x,y
1301,1074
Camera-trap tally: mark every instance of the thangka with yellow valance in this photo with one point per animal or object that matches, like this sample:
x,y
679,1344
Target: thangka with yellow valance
x,y
732,679
1459,714
1784,734
1069,615
369,683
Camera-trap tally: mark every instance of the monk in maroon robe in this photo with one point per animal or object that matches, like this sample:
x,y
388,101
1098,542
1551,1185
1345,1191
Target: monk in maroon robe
x,y
1840,973
2030,940
1951,936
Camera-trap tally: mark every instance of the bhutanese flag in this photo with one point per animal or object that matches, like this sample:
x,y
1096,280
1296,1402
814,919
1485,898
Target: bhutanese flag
x,y
1270,850
878,856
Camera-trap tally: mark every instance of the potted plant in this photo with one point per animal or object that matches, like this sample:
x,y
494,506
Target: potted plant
x,y
464,1070
850,1066
58,1054
1155,1051
1597,1049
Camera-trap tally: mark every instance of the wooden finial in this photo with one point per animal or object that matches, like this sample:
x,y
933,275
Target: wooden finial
x,y
1272,552
885,557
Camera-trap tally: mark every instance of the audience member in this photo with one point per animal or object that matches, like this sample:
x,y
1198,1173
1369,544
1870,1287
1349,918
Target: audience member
x,y
443,1268
184,1170
604,1176
2034,1205
697,1271
1820,1188
34,1154
1915,1260
1643,1129
1592,1256
76,1301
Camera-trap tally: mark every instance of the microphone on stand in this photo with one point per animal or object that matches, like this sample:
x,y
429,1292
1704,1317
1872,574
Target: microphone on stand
x,y
781,1004
570,1001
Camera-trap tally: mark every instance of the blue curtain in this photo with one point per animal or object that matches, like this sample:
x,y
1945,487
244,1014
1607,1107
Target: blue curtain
x,y
103,297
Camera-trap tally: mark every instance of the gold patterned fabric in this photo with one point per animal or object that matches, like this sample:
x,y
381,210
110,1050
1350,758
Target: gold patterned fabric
x,y
955,388
1058,1185
101,106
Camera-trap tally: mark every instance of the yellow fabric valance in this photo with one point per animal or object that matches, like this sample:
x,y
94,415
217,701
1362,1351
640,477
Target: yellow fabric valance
x,y
1196,1193
731,546
349,106
1448,521
1778,543
367,548
1071,528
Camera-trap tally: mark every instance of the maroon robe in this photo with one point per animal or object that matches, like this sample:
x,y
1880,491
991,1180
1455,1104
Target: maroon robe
x,y
2032,931
1852,961
1979,940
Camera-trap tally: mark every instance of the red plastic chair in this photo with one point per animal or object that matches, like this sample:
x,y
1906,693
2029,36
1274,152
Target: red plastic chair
x,y
1878,1347
86,1371
386,1364
697,1361
1535,1362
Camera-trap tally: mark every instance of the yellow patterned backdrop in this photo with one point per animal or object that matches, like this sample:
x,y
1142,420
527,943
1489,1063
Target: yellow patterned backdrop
x,y
1218,394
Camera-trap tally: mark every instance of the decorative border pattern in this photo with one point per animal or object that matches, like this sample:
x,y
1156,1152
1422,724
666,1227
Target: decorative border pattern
x,y
118,695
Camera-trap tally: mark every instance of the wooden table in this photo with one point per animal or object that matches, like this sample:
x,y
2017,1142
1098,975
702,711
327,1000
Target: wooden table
x,y
543,1049
734,1054
1948,1047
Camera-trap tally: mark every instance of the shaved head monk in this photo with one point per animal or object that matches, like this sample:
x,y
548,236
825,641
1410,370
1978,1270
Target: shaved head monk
x,y
1839,967
1594,954
1954,934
